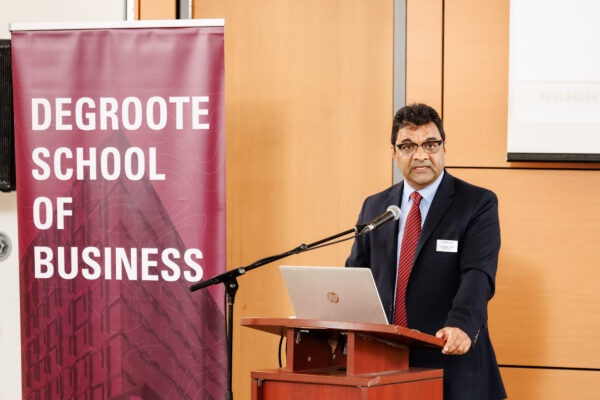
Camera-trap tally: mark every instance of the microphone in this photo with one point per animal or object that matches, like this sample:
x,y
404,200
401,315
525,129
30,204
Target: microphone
x,y
392,213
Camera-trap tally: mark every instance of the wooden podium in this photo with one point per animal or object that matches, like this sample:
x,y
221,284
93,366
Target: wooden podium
x,y
345,360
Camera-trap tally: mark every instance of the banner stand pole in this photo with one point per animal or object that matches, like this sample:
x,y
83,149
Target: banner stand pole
x,y
231,287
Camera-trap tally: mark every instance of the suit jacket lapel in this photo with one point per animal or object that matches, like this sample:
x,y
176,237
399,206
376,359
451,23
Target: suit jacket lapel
x,y
391,229
441,202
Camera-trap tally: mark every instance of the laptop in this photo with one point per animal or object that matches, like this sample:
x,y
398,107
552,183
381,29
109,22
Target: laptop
x,y
333,294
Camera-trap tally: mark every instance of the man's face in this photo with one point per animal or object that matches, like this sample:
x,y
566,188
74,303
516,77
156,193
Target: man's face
x,y
419,169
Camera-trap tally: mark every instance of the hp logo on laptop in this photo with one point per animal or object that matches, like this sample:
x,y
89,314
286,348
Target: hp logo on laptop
x,y
333,297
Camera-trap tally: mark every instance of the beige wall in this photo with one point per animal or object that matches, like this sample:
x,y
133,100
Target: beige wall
x,y
10,321
58,11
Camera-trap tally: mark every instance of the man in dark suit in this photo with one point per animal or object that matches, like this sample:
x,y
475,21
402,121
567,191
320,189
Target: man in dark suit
x,y
435,269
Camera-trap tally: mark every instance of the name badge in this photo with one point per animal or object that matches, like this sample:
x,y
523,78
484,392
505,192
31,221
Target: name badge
x,y
447,246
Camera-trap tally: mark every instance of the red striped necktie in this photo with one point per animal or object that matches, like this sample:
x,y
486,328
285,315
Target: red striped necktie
x,y
412,230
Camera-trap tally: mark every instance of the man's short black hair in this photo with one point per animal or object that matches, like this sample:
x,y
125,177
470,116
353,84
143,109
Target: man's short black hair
x,y
416,114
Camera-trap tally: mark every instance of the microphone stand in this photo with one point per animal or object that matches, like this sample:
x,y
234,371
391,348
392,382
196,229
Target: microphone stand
x,y
229,278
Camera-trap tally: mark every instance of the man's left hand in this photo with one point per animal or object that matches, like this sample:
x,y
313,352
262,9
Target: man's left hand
x,y
457,342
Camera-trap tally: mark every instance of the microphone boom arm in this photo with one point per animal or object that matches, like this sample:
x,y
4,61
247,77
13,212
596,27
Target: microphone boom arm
x,y
234,273
229,279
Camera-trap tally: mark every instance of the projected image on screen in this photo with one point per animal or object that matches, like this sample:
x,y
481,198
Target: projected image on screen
x,y
554,81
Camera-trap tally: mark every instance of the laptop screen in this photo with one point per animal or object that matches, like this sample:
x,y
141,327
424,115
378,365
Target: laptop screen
x,y
333,294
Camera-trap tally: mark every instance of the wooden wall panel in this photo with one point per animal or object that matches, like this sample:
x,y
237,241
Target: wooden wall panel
x,y
475,100
156,9
308,93
424,21
528,384
476,81
308,100
547,308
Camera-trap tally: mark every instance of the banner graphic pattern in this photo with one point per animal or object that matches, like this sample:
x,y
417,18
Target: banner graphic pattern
x,y
120,152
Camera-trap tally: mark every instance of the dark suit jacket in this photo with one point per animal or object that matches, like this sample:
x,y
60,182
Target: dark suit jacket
x,y
445,288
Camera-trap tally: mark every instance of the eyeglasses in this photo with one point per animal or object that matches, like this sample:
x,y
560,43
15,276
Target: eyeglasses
x,y
429,147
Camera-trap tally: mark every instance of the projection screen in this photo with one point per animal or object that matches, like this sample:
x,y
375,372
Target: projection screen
x,y
554,81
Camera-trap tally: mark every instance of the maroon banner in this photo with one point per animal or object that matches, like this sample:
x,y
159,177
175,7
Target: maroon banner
x,y
120,151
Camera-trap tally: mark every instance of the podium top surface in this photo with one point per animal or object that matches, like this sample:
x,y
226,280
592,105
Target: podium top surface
x,y
394,333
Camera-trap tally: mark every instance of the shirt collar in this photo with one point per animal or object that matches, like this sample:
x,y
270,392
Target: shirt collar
x,y
428,193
